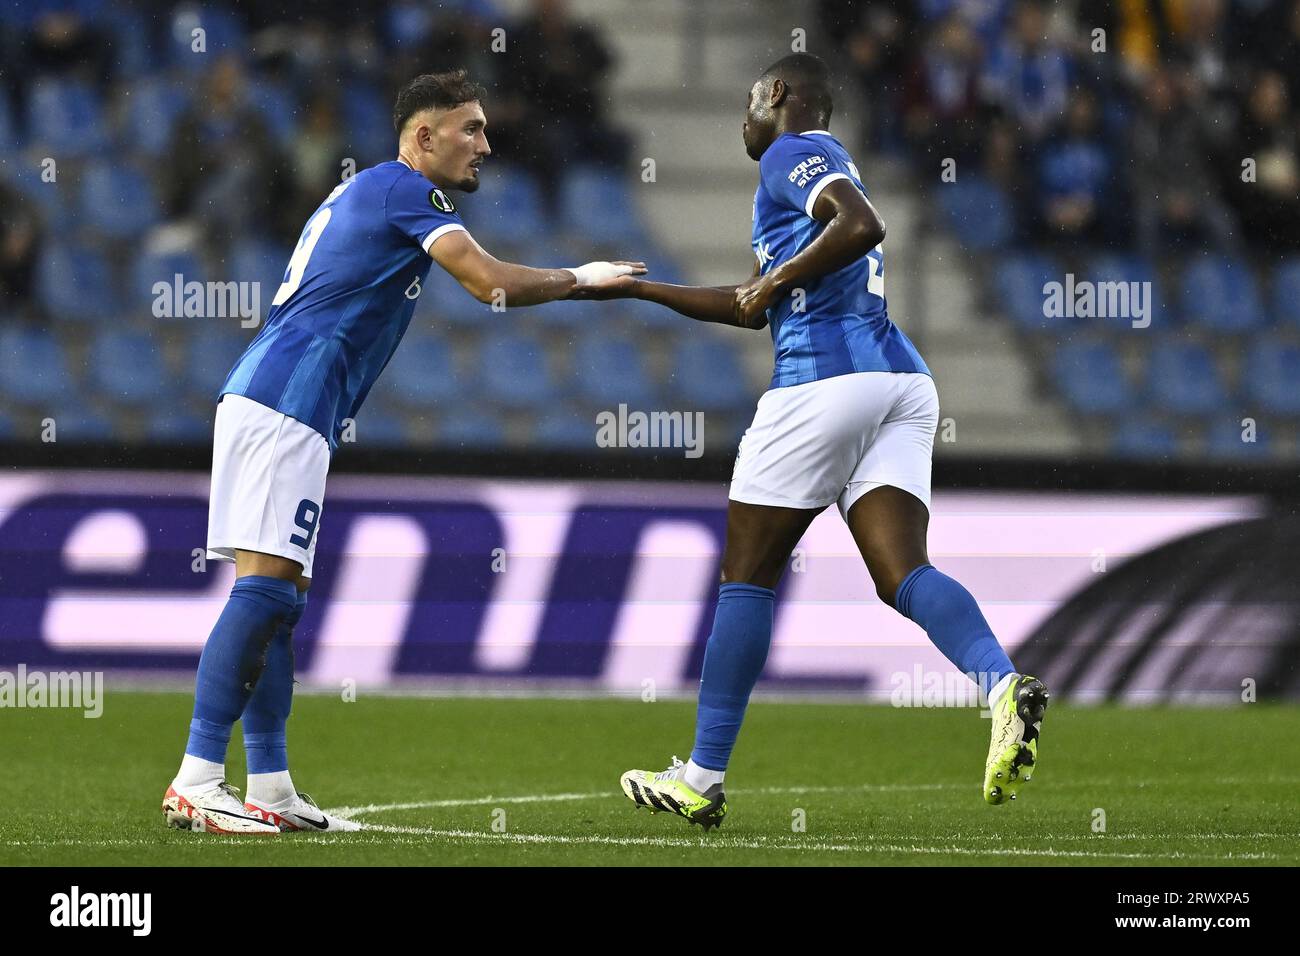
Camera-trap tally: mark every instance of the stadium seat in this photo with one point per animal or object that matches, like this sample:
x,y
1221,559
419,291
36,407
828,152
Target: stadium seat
x,y
81,423
1121,267
444,301
1019,283
10,138
379,427
1091,378
127,368
610,369
514,371
211,354
423,373
1183,378
179,426
65,118
1224,440
596,203
33,368
278,109
153,107
75,284
154,267
469,428
1286,292
261,261
117,201
366,115
1221,295
1271,376
708,376
978,213
508,207
565,429
1143,439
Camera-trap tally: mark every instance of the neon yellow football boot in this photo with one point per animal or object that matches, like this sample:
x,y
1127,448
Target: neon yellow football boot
x,y
667,791
1013,751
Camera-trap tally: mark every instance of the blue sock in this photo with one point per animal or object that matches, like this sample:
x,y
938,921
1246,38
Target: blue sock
x,y
233,658
954,623
733,659
267,711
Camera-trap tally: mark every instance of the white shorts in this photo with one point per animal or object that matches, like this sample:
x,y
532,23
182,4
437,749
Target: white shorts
x,y
268,483
838,438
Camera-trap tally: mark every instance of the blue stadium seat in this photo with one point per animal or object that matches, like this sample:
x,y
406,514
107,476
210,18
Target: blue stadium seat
x,y
1286,292
1183,378
978,212
1271,376
708,377
423,373
278,109
128,369
154,267
596,204
211,354
378,427
133,53
508,207
366,115
179,426
75,284
1121,267
469,428
1143,439
566,429
81,422
117,201
1091,378
444,301
33,369
514,371
153,107
1222,295
1019,283
66,118
610,369
1224,440
261,261
10,135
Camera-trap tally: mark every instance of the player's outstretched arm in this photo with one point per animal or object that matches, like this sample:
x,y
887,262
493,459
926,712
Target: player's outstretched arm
x,y
853,228
706,303
489,279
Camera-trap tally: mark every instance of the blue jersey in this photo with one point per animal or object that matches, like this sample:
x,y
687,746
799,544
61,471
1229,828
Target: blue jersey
x,y
840,323
346,299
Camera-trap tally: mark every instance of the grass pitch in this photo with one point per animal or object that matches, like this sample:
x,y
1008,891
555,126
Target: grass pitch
x,y
503,781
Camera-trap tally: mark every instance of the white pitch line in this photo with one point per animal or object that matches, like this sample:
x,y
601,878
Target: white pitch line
x,y
599,794
717,843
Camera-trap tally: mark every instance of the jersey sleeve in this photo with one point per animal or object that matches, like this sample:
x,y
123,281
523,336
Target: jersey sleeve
x,y
795,170
421,211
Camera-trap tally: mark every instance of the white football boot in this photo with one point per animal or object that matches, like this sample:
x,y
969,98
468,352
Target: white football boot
x,y
300,812
214,808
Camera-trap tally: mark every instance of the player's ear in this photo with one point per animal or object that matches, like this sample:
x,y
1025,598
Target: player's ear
x,y
776,95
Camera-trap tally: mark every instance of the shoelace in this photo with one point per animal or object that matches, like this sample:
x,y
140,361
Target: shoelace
x,y
673,771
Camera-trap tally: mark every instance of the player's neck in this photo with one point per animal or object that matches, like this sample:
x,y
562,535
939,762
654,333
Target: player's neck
x,y
801,122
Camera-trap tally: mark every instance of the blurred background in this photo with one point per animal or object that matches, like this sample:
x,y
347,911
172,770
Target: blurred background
x,y
1009,144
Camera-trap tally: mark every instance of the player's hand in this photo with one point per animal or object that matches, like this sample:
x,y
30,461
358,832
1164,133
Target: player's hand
x,y
606,280
752,301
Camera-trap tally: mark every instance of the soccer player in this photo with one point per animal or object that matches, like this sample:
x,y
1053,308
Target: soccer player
x,y
849,418
345,302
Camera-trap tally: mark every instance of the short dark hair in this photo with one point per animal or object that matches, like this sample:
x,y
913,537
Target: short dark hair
x,y
809,80
443,91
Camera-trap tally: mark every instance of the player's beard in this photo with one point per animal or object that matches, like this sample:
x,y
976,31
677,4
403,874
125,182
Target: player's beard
x,y
468,185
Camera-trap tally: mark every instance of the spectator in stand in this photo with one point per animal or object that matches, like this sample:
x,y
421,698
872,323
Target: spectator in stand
x,y
1028,74
942,106
1269,207
1176,198
20,233
562,68
224,169
876,39
1076,176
